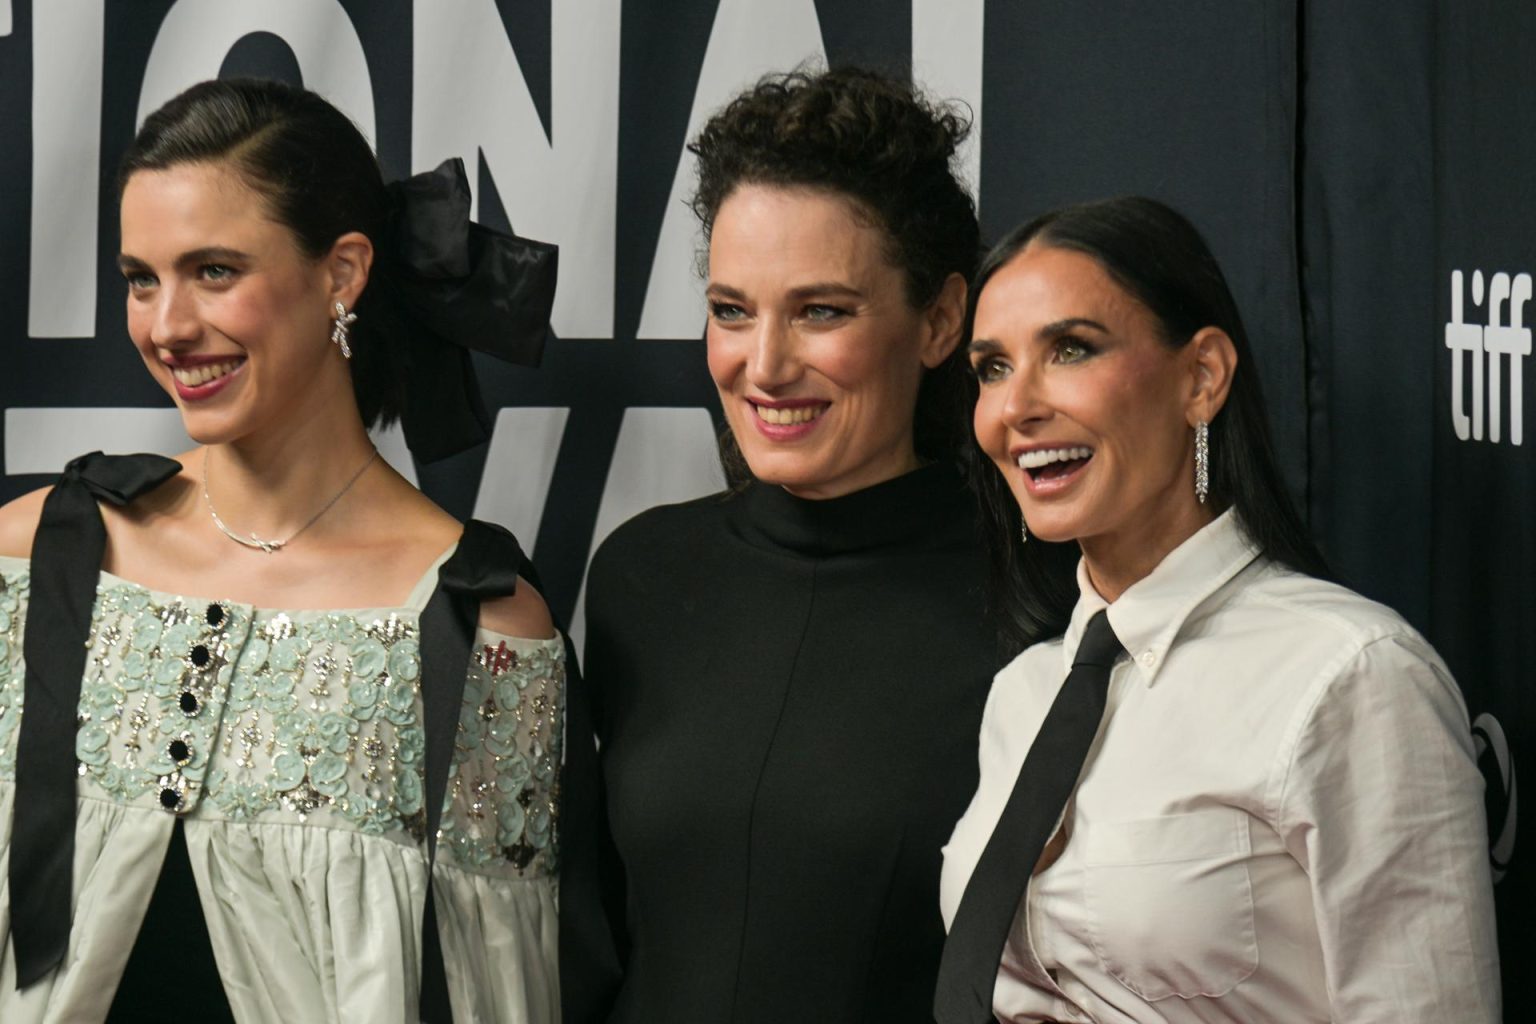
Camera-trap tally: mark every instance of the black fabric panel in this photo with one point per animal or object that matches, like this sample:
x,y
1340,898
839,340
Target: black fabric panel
x,y
172,963
1367,176
1483,560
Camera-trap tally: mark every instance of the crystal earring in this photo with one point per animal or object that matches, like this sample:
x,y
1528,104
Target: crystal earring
x,y
1023,530
341,326
1202,460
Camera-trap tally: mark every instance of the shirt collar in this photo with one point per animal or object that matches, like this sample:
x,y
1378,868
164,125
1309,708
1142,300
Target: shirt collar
x,y
1151,612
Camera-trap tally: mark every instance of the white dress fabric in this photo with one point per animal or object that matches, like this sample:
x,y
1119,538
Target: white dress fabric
x,y
300,788
1280,820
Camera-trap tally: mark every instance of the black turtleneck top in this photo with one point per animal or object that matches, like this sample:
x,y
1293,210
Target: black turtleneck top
x,y
787,695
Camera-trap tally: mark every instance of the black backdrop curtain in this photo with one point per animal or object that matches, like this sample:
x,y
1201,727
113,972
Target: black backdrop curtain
x,y
1354,166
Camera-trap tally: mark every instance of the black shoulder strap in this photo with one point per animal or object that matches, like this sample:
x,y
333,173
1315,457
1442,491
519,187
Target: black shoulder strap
x,y
67,551
485,566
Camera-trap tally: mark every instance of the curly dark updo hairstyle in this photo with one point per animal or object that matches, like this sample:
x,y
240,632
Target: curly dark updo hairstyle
x,y
878,142
315,171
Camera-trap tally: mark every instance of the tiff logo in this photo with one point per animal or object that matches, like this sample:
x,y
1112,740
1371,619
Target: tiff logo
x,y
1495,340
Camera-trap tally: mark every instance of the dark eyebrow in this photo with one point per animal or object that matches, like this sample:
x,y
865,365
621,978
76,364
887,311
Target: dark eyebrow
x,y
983,347
208,254
828,289
1057,328
725,291
1052,330
211,254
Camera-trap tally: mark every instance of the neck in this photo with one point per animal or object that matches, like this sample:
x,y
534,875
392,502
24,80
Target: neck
x,y
1117,561
272,481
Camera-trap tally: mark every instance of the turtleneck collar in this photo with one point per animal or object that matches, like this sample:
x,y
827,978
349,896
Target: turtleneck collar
x,y
899,510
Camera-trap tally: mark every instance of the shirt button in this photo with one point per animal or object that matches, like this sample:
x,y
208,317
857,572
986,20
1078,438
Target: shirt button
x,y
200,656
179,751
214,615
189,703
1148,659
170,799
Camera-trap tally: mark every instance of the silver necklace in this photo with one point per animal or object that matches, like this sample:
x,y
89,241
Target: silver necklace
x,y
273,546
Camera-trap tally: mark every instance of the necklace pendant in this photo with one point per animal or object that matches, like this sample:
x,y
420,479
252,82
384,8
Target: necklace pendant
x,y
270,547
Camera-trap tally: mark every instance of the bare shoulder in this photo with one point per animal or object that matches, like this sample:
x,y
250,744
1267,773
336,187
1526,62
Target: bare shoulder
x,y
18,523
523,613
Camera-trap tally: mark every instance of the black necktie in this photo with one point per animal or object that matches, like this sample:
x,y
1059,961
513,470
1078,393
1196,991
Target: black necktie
x,y
968,969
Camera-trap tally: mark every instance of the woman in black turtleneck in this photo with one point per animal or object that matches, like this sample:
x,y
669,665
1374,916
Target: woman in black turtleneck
x,y
787,680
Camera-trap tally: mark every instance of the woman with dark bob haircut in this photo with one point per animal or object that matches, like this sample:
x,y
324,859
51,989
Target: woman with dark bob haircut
x,y
1232,790
291,731
787,679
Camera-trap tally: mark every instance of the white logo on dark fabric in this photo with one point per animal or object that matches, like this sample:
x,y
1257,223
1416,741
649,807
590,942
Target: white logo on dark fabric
x,y
1489,740
1481,348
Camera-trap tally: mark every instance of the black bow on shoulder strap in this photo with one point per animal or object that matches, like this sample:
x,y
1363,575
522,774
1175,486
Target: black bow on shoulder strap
x,y
67,552
485,566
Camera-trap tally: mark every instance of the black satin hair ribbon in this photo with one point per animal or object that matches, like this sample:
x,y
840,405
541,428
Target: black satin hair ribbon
x,y
68,548
460,287
483,567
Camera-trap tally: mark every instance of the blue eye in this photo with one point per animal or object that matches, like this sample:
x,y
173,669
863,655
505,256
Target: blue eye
x,y
821,313
217,272
138,280
727,312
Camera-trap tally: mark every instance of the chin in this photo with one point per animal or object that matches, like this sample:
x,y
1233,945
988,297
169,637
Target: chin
x,y
770,471
1052,529
205,429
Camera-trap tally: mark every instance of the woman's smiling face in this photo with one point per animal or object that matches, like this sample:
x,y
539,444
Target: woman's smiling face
x,y
1083,406
815,349
230,316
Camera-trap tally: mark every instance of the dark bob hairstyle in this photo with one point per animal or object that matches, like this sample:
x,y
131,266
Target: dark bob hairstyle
x,y
878,142
316,173
1161,260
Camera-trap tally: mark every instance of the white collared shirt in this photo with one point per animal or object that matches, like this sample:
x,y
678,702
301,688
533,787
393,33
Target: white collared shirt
x,y
1280,820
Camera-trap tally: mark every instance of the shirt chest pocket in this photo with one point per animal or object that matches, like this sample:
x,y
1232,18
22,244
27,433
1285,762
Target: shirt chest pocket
x,y
1170,904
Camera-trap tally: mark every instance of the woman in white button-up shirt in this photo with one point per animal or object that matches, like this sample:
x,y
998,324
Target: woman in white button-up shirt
x,y
1281,817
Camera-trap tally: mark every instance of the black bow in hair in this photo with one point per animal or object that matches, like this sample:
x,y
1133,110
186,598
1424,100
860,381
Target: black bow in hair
x,y
460,287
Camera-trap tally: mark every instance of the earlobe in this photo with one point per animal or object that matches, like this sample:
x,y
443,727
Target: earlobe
x,y
946,321
350,261
1213,364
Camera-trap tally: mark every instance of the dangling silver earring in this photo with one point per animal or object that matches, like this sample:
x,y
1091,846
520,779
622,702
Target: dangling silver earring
x,y
1023,530
1202,460
341,327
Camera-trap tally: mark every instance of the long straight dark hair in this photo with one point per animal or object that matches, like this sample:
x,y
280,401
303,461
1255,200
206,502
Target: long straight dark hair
x,y
1161,260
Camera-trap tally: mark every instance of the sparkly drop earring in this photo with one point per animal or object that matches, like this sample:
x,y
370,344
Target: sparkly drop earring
x,y
341,326
1023,530
1202,460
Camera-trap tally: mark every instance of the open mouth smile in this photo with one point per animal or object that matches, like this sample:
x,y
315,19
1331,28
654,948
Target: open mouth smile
x,y
198,381
785,417
1047,469
787,420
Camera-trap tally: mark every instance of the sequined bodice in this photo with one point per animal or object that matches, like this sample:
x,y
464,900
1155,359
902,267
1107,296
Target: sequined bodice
x,y
216,710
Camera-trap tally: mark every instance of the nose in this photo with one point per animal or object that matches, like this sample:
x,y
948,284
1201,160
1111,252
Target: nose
x,y
1023,399
173,319
774,361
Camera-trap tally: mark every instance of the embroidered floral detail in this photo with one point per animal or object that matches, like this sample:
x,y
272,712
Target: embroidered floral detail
x,y
14,589
503,791
498,659
316,718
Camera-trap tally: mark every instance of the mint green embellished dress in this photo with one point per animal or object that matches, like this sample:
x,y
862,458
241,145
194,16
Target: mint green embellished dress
x,y
290,744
